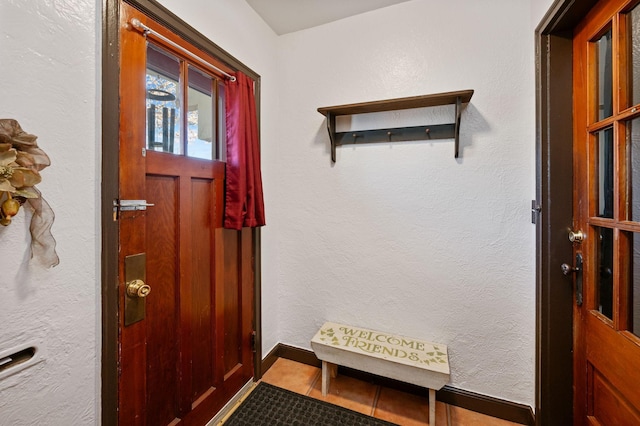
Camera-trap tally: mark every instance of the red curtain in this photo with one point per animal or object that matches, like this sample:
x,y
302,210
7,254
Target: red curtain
x,y
244,204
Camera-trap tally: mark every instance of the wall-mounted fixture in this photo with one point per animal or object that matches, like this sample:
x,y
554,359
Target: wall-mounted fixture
x,y
16,359
440,131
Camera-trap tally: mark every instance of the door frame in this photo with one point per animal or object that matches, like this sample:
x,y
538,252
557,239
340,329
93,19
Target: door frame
x,y
110,188
554,216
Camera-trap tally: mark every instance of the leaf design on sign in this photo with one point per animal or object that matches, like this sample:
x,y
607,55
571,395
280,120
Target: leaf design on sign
x,y
441,353
430,353
329,332
335,341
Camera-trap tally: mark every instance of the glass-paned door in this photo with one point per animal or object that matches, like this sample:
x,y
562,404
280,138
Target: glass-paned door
x,y
607,211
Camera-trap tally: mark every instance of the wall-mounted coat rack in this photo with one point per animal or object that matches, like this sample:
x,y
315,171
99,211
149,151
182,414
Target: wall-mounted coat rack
x,y
439,131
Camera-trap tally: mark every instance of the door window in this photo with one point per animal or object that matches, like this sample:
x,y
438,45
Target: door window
x,y
163,101
184,107
605,85
604,275
634,282
604,171
201,115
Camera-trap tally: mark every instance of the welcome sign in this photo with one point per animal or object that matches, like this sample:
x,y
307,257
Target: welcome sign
x,y
404,350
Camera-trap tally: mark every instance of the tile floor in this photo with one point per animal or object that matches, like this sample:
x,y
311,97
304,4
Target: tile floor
x,y
384,403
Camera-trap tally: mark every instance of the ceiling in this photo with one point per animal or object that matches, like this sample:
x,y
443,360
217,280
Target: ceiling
x,y
286,16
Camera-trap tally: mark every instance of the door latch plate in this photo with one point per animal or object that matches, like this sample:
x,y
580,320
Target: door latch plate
x,y
579,279
120,206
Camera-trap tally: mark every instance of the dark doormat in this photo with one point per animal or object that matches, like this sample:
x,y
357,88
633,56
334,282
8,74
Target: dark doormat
x,y
269,405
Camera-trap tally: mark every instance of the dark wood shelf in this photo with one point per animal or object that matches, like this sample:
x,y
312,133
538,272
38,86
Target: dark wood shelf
x,y
446,131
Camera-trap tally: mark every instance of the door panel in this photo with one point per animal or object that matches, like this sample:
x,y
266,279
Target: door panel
x,y
609,404
616,364
202,368
162,316
606,353
191,353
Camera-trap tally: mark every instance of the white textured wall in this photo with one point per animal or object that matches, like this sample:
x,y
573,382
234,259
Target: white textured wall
x,y
402,237
49,72
235,27
538,9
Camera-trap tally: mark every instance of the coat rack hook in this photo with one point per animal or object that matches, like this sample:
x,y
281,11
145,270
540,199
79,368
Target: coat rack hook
x,y
456,153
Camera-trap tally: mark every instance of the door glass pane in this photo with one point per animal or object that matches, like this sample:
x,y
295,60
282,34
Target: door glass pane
x,y
201,114
604,272
604,141
635,55
634,282
633,178
163,101
605,83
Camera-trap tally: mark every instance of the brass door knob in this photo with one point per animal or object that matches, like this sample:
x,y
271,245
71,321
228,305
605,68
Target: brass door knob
x,y
576,236
137,288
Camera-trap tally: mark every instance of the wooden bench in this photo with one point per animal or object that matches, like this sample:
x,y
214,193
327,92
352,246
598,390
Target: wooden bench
x,y
408,360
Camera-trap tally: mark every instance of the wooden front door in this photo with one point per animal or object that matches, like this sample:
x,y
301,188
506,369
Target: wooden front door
x,y
185,340
607,212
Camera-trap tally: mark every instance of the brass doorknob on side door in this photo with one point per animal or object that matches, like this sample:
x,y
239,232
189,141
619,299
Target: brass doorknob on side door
x,y
137,288
576,236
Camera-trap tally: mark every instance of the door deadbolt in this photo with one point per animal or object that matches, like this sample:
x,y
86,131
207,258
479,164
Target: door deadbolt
x,y
576,236
577,269
567,269
137,288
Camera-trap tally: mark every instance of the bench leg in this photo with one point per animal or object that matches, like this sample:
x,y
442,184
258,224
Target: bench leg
x,y
326,377
432,407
